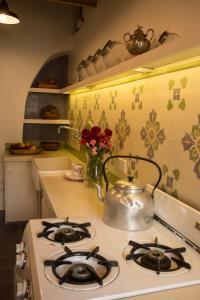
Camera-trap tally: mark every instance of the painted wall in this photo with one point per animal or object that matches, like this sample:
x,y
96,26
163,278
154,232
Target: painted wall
x,y
157,117
46,28
113,18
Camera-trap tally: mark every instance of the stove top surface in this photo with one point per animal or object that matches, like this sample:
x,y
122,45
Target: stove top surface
x,y
128,278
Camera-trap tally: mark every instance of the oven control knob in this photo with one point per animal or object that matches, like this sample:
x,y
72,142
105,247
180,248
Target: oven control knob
x,y
20,248
20,260
22,289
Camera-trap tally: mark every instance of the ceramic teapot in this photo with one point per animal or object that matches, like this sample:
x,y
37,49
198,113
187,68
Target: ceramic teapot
x,y
128,205
137,43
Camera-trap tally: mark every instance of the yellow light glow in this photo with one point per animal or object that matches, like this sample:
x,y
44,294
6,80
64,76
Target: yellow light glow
x,y
143,70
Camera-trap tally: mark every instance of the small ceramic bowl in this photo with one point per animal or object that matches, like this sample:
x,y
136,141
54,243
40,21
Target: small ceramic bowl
x,y
50,145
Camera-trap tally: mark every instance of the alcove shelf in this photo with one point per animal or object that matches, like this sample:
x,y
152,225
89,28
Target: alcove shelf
x,y
47,91
42,121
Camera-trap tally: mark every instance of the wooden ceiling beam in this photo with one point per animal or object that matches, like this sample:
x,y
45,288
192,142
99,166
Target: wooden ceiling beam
x,y
82,3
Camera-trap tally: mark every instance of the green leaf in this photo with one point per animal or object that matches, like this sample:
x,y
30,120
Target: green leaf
x,y
169,105
176,174
140,106
183,82
182,104
171,83
164,169
141,89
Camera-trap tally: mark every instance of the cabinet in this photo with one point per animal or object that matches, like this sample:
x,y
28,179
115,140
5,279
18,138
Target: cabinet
x,y
46,208
20,198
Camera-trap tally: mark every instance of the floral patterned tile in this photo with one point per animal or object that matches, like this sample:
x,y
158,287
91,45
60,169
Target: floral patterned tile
x,y
152,134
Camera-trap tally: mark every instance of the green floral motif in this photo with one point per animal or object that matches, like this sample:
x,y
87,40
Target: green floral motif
x,y
103,122
176,93
132,164
79,121
96,105
89,120
191,143
169,181
137,102
76,103
113,103
152,135
122,129
84,103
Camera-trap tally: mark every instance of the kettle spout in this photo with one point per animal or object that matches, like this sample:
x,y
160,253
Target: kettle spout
x,y
99,192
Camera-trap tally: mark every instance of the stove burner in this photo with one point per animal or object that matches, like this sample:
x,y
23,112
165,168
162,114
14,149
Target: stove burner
x,y
156,257
65,231
81,267
81,272
67,235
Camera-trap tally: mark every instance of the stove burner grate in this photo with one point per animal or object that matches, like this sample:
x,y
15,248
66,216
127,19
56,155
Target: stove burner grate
x,y
65,231
157,257
81,272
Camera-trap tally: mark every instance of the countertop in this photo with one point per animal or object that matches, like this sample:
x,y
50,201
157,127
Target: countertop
x,y
57,153
71,198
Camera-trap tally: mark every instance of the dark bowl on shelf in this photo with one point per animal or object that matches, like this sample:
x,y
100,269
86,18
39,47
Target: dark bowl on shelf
x,y
49,112
50,145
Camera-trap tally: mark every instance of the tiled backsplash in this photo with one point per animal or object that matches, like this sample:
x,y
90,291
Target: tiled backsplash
x,y
158,118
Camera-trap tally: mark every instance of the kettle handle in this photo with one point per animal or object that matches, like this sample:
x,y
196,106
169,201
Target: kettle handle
x,y
126,35
152,31
134,157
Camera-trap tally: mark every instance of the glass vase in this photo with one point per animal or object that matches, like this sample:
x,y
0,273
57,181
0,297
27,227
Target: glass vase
x,y
93,173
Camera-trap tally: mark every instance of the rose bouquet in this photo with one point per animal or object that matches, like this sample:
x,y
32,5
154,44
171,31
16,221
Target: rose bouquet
x,y
98,143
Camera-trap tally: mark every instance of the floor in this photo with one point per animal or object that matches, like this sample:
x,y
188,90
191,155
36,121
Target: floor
x,y
10,234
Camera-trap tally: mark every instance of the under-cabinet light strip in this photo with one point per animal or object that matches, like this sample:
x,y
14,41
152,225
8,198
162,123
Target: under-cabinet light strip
x,y
179,66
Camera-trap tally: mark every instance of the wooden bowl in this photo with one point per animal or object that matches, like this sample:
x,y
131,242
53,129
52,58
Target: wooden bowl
x,y
50,146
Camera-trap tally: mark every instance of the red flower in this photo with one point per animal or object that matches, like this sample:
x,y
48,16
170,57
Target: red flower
x,y
83,141
95,130
108,132
85,133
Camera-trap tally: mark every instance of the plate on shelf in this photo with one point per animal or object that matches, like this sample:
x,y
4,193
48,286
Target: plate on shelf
x,y
68,175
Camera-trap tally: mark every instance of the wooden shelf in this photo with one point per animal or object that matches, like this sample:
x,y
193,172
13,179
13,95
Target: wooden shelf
x,y
41,121
166,54
48,91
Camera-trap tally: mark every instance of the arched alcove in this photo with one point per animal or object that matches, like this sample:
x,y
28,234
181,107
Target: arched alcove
x,y
45,91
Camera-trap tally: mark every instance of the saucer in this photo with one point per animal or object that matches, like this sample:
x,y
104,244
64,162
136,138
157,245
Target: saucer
x,y
68,175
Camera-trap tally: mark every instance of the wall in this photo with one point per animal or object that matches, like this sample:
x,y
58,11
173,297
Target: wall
x,y
157,117
45,28
113,18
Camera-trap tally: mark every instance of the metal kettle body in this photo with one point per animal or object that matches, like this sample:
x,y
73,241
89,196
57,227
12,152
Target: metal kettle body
x,y
128,205
137,43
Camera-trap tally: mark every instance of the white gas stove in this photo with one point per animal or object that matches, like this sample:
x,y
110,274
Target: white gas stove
x,y
86,259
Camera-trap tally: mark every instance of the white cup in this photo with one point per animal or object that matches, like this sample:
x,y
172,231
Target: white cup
x,y
77,170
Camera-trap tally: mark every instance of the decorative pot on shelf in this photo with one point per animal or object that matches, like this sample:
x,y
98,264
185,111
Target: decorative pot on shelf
x,y
137,43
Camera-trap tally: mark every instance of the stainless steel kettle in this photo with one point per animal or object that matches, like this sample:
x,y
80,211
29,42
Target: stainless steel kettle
x,y
128,205
137,43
